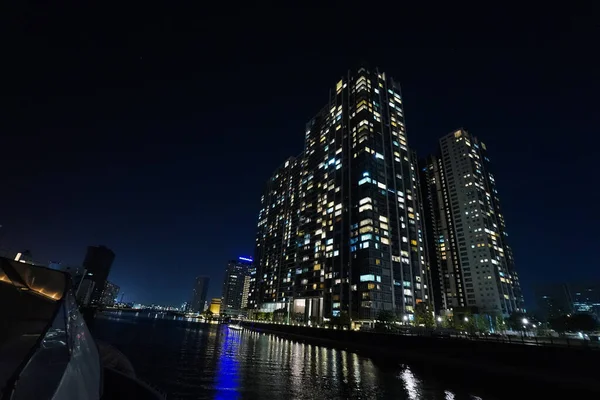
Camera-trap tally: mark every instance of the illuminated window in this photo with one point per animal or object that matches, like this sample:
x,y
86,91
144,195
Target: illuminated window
x,y
365,229
365,207
364,180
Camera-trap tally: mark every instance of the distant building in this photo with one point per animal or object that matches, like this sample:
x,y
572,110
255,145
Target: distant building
x,y
97,263
199,294
215,306
109,295
586,298
237,278
554,300
251,301
246,290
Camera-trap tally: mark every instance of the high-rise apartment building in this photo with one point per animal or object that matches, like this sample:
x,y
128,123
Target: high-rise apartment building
x,y
237,278
275,257
97,263
199,294
359,245
471,263
109,295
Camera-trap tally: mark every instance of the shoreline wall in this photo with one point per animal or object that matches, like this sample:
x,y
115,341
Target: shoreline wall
x,y
570,367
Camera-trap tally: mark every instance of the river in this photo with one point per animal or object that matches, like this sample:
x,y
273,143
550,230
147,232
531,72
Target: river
x,y
191,360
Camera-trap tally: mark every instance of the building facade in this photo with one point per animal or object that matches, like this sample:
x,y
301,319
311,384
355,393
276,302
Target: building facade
x,y
272,285
358,246
97,263
199,294
472,265
235,284
109,294
215,306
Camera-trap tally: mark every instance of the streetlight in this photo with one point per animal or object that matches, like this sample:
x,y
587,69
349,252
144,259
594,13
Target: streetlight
x,y
525,321
466,319
405,318
439,319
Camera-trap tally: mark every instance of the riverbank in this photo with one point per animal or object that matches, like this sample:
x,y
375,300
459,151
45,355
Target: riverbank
x,y
564,368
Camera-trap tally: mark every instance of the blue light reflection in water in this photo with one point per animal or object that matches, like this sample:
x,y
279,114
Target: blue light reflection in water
x,y
227,378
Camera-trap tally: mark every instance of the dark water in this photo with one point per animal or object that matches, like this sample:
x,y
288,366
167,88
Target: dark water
x,y
190,360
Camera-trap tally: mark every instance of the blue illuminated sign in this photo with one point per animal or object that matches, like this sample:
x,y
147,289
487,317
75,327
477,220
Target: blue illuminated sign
x,y
245,259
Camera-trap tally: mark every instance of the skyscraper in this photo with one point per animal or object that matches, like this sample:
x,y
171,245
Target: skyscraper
x,y
237,278
199,294
110,293
472,264
277,238
359,247
97,263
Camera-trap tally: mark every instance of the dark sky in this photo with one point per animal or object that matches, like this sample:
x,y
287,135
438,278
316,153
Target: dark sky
x,y
152,131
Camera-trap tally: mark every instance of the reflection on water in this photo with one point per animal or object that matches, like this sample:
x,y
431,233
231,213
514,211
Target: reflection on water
x,y
191,360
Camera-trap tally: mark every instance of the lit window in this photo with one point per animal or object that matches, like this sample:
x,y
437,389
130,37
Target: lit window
x,y
365,207
366,237
367,278
364,180
366,229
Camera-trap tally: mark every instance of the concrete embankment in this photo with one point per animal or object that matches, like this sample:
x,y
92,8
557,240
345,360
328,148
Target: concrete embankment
x,y
564,367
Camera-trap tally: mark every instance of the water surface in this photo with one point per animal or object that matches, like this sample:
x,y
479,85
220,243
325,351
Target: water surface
x,y
191,360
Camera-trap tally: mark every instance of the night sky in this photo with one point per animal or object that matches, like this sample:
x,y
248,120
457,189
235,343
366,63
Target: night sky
x,y
153,131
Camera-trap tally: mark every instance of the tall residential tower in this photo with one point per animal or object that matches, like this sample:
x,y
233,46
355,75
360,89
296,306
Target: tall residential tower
x,y
472,265
359,247
276,239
